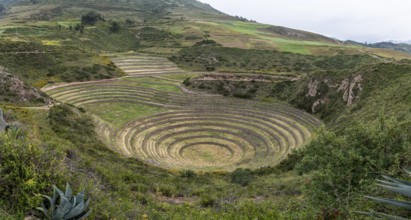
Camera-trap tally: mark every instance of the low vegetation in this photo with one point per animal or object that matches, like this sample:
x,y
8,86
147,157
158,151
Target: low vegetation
x,y
39,64
350,162
208,56
26,169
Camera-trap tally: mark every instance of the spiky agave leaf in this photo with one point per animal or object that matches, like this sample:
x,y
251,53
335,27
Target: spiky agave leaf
x,y
403,183
62,209
76,211
69,206
48,212
80,197
382,215
401,187
398,203
44,210
69,192
389,217
405,191
85,215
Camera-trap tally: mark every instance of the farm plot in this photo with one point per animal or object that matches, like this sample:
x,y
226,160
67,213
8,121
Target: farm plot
x,y
143,65
179,130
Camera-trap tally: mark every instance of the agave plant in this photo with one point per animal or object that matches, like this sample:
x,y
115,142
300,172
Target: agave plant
x,y
64,206
394,185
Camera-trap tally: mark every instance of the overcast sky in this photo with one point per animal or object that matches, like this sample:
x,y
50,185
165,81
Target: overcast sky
x,y
360,20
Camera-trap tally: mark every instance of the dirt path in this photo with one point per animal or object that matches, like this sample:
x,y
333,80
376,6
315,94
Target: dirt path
x,y
44,107
194,92
263,77
167,79
60,85
25,52
231,80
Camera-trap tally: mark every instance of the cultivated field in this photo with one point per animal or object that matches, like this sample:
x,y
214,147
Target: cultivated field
x,y
168,126
143,65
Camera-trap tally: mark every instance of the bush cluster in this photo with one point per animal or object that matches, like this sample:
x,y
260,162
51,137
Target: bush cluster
x,y
26,170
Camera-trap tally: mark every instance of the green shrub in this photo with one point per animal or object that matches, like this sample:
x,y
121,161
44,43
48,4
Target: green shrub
x,y
189,174
167,191
187,82
242,176
91,18
208,201
344,165
115,27
26,170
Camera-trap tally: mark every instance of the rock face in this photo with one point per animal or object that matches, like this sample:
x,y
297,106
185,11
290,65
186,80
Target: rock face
x,y
12,89
312,88
350,87
3,123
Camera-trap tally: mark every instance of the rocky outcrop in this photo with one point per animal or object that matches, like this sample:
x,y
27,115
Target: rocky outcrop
x,y
3,123
313,88
352,89
13,89
318,103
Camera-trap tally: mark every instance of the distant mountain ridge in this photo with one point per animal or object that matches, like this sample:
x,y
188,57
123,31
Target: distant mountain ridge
x,y
388,45
403,47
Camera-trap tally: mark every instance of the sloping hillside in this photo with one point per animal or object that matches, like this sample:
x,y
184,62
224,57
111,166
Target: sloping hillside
x,y
170,109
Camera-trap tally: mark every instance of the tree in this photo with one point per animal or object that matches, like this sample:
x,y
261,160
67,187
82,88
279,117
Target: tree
x,y
79,27
115,27
2,8
91,18
130,22
344,165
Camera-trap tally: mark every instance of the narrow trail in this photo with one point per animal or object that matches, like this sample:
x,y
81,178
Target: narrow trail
x,y
25,52
61,85
45,107
246,76
166,79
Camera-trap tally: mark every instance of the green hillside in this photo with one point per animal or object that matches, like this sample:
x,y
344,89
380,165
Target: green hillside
x,y
170,109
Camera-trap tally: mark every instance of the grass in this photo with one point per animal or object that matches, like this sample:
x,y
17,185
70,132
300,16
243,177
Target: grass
x,y
68,23
51,43
253,34
153,83
181,77
206,154
120,114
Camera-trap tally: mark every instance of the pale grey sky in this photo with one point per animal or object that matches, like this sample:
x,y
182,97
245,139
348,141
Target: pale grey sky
x,y
360,20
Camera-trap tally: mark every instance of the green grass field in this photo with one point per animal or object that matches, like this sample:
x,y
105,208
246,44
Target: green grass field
x,y
121,113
